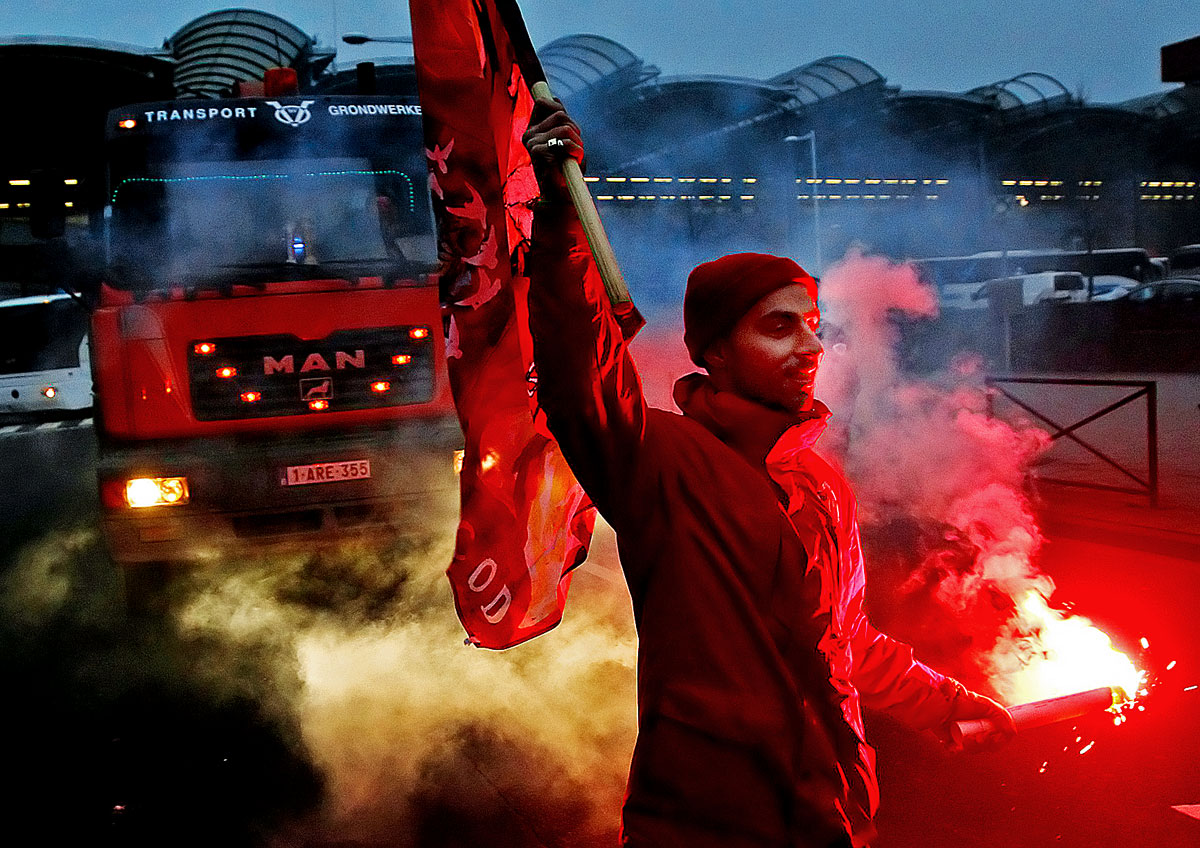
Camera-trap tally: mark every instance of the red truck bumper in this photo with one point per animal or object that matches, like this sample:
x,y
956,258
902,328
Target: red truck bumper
x,y
291,492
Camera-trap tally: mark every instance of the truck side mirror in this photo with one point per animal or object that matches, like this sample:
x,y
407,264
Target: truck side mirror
x,y
47,204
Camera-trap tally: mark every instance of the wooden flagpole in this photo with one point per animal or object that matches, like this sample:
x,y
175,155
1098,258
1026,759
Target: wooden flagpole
x,y
581,197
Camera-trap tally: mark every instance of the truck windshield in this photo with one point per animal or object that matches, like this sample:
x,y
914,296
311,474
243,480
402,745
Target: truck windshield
x,y
220,203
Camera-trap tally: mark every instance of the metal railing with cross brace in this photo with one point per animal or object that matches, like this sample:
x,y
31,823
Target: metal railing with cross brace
x,y
1144,388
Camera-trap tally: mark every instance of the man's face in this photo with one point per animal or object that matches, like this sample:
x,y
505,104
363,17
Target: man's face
x,y
772,353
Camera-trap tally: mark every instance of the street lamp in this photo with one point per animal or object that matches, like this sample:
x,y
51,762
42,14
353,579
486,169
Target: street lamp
x,y
362,38
811,138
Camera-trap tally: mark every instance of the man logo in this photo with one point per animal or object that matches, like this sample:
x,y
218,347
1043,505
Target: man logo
x,y
292,115
316,389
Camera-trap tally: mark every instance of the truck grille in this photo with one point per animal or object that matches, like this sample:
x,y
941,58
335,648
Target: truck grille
x,y
264,376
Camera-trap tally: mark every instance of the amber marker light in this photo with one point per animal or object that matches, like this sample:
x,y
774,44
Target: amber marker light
x,y
49,392
205,348
419,333
402,359
142,492
127,124
226,372
318,405
381,387
251,397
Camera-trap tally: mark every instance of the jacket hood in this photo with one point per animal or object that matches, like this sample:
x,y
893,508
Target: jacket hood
x,y
745,425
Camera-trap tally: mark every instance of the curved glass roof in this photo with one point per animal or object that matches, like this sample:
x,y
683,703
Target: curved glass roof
x,y
81,43
575,63
108,70
1023,91
723,97
1166,104
221,48
828,77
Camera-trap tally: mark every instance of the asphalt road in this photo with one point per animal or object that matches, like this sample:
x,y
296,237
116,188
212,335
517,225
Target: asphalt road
x,y
112,736
120,731
1040,790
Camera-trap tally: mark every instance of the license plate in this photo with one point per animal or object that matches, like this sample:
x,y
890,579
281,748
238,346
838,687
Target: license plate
x,y
325,472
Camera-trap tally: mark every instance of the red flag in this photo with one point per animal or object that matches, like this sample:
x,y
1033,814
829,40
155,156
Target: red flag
x,y
525,521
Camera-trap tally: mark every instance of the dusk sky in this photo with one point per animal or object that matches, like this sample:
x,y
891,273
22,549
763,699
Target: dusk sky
x,y
1107,49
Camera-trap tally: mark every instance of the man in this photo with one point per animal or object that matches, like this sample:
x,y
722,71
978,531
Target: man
x,y
739,545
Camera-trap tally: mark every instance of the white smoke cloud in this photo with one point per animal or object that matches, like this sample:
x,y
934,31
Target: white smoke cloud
x,y
350,668
405,722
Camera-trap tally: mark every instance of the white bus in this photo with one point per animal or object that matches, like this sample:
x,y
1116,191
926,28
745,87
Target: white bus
x,y
44,365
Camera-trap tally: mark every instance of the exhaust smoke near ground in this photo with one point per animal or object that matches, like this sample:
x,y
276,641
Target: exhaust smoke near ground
x,y
419,738
317,700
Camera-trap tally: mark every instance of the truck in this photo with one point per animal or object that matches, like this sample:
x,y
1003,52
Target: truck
x,y
267,344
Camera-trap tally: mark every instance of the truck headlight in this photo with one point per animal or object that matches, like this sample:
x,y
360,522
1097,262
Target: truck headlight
x,y
142,492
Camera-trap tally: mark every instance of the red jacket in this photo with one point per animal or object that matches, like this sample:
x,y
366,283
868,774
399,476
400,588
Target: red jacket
x,y
740,549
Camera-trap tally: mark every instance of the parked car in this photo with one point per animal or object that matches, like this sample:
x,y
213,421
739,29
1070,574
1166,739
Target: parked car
x,y
1052,286
1110,287
1184,261
1173,290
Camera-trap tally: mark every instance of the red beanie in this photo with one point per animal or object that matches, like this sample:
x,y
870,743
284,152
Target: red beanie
x,y
720,292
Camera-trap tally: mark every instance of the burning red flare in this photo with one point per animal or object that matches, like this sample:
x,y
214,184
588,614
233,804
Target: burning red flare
x,y
1061,655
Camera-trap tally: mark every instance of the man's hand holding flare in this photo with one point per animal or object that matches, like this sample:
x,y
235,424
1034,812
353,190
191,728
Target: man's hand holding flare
x,y
967,706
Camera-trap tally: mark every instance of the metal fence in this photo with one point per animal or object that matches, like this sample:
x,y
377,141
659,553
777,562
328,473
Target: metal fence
x,y
1147,389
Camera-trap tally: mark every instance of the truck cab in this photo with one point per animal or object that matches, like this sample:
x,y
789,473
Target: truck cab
x,y
267,345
